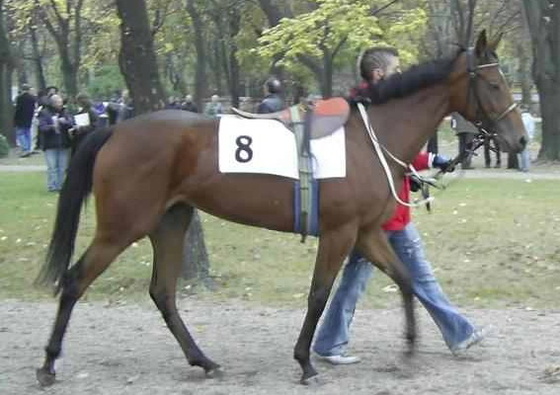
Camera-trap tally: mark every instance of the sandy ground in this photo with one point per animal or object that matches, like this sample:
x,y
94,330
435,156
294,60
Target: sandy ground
x,y
128,350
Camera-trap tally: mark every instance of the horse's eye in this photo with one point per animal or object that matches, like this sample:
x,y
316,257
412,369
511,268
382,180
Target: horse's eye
x,y
495,86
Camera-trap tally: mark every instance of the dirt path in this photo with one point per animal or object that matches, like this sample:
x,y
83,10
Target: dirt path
x,y
128,350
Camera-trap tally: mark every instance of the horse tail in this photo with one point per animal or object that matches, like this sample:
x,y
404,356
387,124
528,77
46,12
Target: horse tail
x,y
74,193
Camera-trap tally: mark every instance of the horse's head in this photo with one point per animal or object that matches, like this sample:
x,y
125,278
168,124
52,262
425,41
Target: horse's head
x,y
481,94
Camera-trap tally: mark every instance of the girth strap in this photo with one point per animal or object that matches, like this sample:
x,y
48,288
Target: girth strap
x,y
307,187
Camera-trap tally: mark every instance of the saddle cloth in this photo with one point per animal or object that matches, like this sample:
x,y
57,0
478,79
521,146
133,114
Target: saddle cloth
x,y
266,146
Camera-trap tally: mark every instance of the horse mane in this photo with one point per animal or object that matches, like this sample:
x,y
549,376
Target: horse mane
x,y
404,84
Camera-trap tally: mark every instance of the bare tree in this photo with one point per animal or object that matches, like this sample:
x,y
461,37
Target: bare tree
x,y
137,58
63,21
6,68
200,79
543,17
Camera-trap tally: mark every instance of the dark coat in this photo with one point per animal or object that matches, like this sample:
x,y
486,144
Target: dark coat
x,y
54,136
25,109
93,121
190,107
80,132
270,103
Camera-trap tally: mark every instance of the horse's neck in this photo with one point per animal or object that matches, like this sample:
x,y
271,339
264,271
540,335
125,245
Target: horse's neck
x,y
405,125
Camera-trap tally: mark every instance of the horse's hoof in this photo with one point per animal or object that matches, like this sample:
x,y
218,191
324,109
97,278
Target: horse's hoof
x,y
312,380
214,373
45,378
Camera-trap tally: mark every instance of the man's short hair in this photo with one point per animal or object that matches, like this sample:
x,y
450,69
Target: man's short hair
x,y
52,88
25,87
273,85
375,58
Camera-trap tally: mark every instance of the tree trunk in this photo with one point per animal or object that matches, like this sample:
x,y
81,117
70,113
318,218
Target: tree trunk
x,y
200,81
139,67
69,72
234,27
543,18
137,59
21,67
196,257
524,72
326,86
6,66
37,60
274,15
68,44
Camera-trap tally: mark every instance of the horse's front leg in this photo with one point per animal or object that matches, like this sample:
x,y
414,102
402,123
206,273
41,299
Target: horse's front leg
x,y
334,246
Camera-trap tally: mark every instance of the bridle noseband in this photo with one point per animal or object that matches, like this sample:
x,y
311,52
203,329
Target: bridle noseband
x,y
472,69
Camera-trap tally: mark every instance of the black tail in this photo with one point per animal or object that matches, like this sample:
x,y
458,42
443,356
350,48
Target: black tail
x,y
75,190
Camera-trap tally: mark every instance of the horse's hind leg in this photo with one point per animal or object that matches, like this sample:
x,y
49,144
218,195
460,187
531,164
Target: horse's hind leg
x,y
77,279
168,240
376,248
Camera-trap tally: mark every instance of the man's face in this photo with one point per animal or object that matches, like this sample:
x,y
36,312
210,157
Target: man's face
x,y
393,67
56,101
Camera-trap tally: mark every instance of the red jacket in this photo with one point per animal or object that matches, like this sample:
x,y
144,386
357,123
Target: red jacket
x,y
402,213
421,162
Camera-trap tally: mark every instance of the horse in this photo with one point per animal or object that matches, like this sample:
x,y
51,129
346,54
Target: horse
x,y
148,173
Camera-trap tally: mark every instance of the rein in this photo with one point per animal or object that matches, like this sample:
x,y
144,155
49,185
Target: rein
x,y
380,149
480,115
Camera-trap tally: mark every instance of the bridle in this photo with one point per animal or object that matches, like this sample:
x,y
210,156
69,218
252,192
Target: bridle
x,y
472,69
481,115
482,118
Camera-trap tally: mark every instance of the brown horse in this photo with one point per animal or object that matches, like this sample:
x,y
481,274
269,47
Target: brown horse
x,y
148,173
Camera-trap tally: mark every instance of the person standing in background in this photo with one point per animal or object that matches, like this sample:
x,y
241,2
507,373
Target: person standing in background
x,y
88,121
272,101
54,126
492,144
529,122
23,118
466,133
214,108
189,104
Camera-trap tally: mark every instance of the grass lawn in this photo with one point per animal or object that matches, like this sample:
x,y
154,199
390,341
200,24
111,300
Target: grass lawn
x,y
493,243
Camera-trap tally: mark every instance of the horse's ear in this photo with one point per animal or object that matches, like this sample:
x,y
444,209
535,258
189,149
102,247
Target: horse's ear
x,y
495,42
481,43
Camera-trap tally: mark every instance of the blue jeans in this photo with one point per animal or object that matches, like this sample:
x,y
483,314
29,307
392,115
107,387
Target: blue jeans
x,y
23,137
334,332
57,163
524,160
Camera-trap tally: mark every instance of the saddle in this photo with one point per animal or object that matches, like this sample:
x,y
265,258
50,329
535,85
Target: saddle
x,y
325,117
307,123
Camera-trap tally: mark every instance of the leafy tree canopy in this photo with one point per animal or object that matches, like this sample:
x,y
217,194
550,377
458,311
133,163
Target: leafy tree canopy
x,y
335,25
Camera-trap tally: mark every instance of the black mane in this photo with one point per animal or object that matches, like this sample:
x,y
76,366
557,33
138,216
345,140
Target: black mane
x,y
408,82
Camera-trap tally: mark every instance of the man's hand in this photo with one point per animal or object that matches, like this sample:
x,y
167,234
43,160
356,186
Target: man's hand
x,y
443,163
415,183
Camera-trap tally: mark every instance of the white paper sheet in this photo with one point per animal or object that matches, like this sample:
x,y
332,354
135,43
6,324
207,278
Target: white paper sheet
x,y
82,119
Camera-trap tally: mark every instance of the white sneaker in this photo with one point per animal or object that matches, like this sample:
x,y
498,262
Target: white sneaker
x,y
338,359
476,337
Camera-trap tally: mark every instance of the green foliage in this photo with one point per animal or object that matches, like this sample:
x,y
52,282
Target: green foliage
x,y
107,79
325,29
4,146
336,25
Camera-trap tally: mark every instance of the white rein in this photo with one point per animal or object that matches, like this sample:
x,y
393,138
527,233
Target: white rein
x,y
379,149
